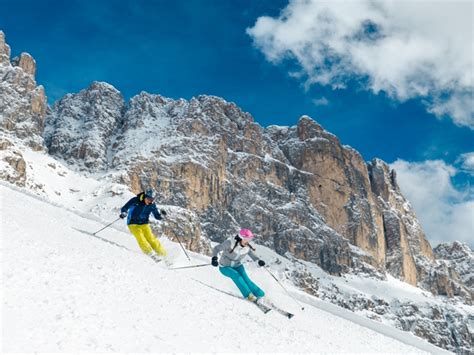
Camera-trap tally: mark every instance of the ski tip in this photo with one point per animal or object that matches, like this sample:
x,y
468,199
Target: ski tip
x,y
290,316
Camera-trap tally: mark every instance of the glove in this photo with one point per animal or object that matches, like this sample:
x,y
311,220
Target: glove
x,y
123,215
261,263
163,212
214,261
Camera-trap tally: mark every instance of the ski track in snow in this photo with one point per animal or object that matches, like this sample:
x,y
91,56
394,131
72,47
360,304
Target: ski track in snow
x,y
67,291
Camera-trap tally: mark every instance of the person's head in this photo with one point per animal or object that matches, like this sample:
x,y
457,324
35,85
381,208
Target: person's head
x,y
149,196
245,236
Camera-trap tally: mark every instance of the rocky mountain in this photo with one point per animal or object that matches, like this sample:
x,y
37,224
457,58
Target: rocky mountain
x,y
304,191
22,111
80,125
310,198
22,102
459,257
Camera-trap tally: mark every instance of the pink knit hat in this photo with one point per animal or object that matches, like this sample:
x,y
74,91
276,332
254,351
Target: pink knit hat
x,y
246,234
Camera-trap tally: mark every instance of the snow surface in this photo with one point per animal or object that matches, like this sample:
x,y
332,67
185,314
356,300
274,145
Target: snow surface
x,y
64,290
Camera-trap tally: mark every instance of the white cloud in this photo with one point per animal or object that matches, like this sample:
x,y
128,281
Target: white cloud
x,y
409,49
467,162
322,101
445,213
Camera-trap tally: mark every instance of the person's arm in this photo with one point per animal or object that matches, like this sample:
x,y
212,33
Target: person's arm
x,y
256,258
219,247
253,255
155,212
129,204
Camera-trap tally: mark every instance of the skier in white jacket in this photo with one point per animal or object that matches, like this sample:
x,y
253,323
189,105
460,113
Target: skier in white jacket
x,y
234,250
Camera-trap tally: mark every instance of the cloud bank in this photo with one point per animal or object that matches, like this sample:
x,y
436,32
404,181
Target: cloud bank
x,y
445,213
408,49
467,162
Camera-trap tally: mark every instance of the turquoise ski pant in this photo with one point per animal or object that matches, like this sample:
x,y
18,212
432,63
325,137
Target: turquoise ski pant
x,y
241,280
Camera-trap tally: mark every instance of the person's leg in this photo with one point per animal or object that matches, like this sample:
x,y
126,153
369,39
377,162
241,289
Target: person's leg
x,y
257,291
152,240
235,276
140,237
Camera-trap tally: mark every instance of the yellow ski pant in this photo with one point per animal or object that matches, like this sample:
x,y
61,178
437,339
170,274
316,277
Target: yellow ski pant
x,y
146,240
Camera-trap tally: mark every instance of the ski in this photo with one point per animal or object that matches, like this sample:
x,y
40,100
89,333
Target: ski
x,y
264,308
279,310
103,239
261,306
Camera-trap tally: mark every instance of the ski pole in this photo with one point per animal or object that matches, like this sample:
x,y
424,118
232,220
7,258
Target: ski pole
x,y
188,267
283,287
108,225
182,247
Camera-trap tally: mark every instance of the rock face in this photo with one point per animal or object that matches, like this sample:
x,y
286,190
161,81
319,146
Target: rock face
x,y
4,50
210,157
13,165
440,323
452,273
460,257
22,103
335,183
25,62
81,126
406,243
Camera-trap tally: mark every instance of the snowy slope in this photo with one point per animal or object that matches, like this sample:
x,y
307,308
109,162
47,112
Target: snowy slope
x,y
64,290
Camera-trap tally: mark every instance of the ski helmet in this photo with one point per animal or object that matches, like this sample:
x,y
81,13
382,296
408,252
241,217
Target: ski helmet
x,y
149,193
246,234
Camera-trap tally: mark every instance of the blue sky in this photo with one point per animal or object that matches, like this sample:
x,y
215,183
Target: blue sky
x,y
232,49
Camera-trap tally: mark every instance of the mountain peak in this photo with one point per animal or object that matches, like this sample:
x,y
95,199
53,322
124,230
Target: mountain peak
x,y
102,86
24,114
4,49
146,96
26,62
308,128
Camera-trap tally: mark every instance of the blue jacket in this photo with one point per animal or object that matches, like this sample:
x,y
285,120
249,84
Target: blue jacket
x,y
138,211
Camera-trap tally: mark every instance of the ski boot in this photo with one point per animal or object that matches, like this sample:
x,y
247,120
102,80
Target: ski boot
x,y
251,297
156,258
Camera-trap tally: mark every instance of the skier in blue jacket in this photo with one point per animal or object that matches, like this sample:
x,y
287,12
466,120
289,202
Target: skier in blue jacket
x,y
138,210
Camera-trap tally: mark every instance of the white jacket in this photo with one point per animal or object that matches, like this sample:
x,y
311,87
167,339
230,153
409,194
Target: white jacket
x,y
235,258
